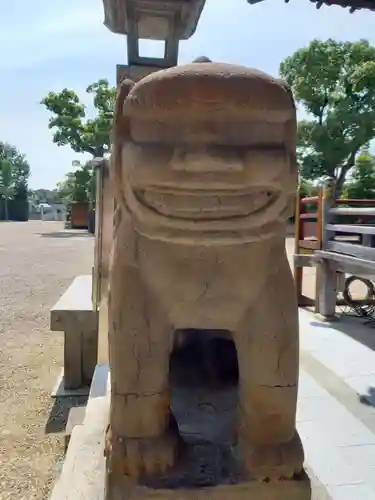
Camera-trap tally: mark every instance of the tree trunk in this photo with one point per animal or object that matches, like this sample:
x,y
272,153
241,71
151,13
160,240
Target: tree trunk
x,y
339,185
6,214
340,179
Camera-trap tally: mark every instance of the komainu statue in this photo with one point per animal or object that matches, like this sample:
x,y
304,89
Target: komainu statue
x,y
205,173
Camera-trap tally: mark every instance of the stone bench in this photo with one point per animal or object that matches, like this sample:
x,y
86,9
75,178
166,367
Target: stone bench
x,y
74,315
83,473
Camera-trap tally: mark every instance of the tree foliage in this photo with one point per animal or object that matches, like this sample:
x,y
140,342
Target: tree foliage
x,y
14,174
308,188
362,182
6,184
71,125
78,184
334,82
49,196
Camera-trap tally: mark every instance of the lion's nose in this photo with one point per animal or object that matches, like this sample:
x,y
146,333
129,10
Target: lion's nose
x,y
205,160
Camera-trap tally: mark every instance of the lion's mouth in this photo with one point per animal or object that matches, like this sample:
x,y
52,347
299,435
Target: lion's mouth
x,y
205,205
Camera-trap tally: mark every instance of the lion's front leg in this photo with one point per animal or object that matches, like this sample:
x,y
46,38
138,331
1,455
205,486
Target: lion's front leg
x,y
268,355
152,446
140,441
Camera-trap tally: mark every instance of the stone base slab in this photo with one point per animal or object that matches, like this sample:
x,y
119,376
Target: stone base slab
x,y
83,473
277,490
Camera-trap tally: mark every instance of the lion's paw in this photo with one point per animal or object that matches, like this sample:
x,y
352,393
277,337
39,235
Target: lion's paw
x,y
276,461
149,456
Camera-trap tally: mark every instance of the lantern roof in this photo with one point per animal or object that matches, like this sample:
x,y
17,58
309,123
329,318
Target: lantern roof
x,y
153,19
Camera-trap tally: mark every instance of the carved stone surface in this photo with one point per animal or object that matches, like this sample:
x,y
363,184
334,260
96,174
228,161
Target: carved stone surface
x,y
205,172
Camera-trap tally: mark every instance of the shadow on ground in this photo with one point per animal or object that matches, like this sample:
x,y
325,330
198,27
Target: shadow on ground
x,y
359,329
67,234
59,414
369,398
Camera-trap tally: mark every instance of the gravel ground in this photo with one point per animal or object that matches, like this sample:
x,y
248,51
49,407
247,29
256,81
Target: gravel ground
x,y
38,260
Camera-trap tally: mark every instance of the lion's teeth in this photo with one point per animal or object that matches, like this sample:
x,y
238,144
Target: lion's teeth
x,y
198,205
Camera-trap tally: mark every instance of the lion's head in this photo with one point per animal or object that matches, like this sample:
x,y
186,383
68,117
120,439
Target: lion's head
x,y
207,151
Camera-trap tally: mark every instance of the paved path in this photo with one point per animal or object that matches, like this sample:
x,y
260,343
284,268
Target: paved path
x,y
336,407
38,260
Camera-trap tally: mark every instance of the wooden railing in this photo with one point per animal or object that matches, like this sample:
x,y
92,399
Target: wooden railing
x,y
354,237
308,239
334,246
347,247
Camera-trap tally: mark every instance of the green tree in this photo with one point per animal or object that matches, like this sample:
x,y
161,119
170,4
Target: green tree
x,y
362,182
307,188
14,174
72,127
20,169
44,196
334,82
77,185
6,184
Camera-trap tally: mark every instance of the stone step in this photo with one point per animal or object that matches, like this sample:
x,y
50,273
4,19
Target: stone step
x,y
82,474
76,417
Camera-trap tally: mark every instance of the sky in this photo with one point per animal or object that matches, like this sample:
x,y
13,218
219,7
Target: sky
x,y
50,45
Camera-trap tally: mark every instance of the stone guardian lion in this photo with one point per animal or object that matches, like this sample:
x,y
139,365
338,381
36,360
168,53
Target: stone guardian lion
x,y
204,168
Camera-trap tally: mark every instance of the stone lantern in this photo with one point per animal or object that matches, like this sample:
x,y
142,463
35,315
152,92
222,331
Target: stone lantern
x,y
166,20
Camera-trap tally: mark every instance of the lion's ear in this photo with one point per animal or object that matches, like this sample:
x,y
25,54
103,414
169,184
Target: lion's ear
x,y
120,134
120,123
